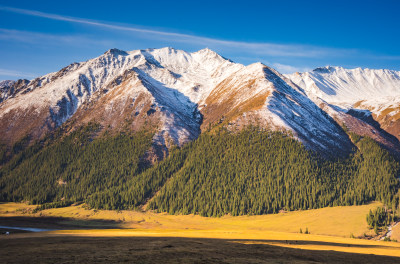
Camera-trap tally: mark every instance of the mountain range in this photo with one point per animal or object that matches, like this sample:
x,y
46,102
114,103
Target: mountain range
x,y
181,95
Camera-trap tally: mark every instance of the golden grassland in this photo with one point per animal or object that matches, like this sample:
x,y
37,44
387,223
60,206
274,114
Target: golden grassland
x,y
339,221
330,227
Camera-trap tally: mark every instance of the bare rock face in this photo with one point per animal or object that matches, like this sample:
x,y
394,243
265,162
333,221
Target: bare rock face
x,y
179,94
10,88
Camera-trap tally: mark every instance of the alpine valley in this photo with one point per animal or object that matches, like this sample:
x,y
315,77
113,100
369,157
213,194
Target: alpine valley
x,y
180,132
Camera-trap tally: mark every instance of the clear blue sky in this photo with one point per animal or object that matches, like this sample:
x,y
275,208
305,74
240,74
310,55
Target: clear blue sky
x,y
38,37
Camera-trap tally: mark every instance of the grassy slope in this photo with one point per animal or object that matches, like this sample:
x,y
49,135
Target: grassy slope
x,y
396,232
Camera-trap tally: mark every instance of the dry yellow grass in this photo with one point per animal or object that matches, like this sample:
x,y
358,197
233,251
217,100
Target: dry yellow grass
x,y
396,232
330,227
15,209
332,221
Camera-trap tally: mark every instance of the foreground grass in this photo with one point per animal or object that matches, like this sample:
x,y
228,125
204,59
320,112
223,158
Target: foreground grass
x,y
72,249
281,239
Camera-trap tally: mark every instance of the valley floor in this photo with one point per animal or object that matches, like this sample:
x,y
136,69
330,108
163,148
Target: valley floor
x,y
82,235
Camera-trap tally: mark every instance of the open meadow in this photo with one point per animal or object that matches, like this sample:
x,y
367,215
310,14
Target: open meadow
x,y
148,236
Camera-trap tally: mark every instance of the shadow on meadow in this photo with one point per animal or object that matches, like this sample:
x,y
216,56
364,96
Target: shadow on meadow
x,y
62,249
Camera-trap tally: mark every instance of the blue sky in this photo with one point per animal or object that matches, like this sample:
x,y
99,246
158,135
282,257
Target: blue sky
x,y
38,37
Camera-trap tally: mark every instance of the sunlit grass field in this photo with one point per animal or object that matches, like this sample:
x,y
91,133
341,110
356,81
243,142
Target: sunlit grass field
x,y
339,221
330,227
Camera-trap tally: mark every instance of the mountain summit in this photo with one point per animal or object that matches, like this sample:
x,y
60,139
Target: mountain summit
x,y
180,94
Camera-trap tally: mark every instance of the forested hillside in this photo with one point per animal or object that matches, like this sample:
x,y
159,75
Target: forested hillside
x,y
73,167
253,171
258,172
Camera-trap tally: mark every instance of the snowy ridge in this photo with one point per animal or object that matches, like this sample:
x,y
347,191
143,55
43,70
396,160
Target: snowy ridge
x,y
259,94
347,87
193,74
178,69
367,101
177,81
291,106
180,92
5,87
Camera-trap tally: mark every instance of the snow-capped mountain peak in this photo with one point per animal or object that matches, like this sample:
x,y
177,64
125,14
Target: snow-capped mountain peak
x,y
350,86
180,93
346,92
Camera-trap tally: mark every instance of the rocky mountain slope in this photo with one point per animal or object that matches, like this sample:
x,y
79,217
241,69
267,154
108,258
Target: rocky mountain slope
x,y
180,94
366,101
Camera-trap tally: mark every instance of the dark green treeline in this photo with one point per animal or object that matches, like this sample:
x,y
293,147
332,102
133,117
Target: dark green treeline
x,y
258,172
249,172
74,167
